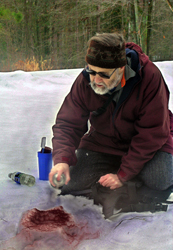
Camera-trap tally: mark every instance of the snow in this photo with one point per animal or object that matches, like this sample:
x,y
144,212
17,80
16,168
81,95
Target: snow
x,y
29,104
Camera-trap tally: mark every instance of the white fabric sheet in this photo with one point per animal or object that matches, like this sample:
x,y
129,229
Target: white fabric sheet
x,y
29,104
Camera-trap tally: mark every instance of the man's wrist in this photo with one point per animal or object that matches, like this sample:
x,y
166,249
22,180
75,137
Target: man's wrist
x,y
62,159
122,175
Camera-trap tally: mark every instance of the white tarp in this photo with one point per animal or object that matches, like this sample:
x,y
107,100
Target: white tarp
x,y
29,104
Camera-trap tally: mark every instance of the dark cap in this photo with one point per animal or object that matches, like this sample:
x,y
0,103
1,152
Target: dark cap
x,y
105,56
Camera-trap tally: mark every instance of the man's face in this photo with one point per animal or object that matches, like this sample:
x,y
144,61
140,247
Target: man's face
x,y
101,85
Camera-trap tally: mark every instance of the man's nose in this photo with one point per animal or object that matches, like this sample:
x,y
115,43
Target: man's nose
x,y
97,79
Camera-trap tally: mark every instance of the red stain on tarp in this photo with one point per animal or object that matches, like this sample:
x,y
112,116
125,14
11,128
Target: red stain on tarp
x,y
48,220
55,226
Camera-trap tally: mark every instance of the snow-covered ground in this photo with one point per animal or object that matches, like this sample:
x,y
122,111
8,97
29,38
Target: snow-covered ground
x,y
29,104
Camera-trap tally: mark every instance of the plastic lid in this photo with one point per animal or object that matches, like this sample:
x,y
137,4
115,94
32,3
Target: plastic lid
x,y
9,175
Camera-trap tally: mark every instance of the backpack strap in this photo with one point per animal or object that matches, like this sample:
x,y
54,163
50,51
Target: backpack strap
x,y
129,198
144,207
107,197
142,201
132,197
132,190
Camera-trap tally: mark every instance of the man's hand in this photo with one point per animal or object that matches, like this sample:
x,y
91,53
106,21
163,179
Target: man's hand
x,y
59,168
110,180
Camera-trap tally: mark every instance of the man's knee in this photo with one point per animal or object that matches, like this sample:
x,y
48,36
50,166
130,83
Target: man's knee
x,y
158,172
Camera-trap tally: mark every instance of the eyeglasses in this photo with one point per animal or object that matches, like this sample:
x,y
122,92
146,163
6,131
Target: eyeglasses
x,y
102,75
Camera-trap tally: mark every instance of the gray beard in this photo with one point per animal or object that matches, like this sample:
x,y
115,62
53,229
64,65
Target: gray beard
x,y
104,90
99,91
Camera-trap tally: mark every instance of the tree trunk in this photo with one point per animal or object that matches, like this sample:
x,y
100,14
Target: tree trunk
x,y
129,14
26,19
150,6
98,18
54,50
137,24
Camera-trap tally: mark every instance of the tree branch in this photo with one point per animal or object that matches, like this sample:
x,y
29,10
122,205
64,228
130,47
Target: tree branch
x,y
170,6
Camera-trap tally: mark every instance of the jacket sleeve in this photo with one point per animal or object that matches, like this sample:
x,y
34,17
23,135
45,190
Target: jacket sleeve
x,y
171,122
71,124
152,126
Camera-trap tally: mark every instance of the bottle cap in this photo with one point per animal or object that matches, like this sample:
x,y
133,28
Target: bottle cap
x,y
9,175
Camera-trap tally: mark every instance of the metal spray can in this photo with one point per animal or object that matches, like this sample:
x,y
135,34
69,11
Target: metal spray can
x,y
57,183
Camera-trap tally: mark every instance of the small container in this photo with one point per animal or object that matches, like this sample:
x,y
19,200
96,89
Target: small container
x,y
44,163
22,178
58,183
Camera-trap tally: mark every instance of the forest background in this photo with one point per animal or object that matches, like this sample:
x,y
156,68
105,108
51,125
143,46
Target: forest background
x,y
53,34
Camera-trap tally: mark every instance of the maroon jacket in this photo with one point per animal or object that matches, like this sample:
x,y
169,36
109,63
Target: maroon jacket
x,y
135,128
